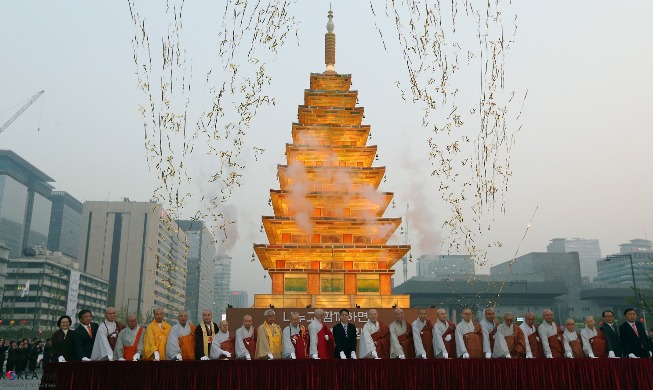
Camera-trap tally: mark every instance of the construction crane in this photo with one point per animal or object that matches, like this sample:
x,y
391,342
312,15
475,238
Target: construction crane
x,y
22,109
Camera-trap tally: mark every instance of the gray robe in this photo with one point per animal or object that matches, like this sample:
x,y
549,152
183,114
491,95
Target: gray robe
x,y
287,347
462,329
241,334
126,337
366,345
397,330
172,346
567,337
219,338
545,331
487,327
439,329
527,332
417,337
586,334
500,344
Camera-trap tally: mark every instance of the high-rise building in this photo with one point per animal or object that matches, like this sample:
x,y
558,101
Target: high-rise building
x,y
200,276
140,251
239,299
588,250
41,288
4,260
443,266
65,224
636,245
24,204
634,262
222,283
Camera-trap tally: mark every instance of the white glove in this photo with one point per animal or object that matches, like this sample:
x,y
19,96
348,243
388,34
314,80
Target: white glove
x,y
121,359
62,359
488,355
248,356
157,357
549,356
270,356
342,355
178,357
137,357
423,356
326,337
315,356
650,354
448,338
569,355
353,354
529,356
402,356
592,356
611,355
293,356
508,356
445,355
227,354
204,358
465,355
85,359
110,356
375,355
632,355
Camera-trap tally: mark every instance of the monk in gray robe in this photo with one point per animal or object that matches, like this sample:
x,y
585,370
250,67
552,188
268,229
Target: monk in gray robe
x,y
129,345
181,340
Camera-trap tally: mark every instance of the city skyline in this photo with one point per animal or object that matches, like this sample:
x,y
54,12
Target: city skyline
x,y
573,117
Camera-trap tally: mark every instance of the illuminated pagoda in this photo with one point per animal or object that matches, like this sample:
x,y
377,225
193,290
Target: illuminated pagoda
x,y
328,238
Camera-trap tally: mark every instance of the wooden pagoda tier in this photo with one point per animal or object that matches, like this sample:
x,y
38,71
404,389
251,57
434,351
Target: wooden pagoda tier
x,y
328,238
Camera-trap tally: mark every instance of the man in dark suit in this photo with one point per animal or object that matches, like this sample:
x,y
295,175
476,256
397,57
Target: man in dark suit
x,y
84,335
633,337
344,334
611,332
204,333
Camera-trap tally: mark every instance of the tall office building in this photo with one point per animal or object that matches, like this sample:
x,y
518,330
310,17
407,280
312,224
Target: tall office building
x,y
636,245
239,299
139,251
589,253
222,283
65,224
24,204
634,262
443,266
202,255
41,288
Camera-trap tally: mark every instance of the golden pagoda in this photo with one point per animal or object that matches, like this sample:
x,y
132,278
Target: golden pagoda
x,y
328,238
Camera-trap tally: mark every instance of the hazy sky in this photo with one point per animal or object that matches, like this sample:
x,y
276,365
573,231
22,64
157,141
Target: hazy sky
x,y
582,157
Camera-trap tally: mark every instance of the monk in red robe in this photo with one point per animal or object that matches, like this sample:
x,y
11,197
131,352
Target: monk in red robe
x,y
322,343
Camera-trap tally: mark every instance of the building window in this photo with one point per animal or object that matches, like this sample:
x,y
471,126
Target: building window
x,y
332,284
295,284
367,284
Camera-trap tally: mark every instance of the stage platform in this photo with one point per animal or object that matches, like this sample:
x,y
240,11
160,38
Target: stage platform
x,y
354,374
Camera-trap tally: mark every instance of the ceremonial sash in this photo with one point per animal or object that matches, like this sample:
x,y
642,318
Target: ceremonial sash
x,y
599,345
577,347
274,339
474,342
450,345
427,337
536,347
555,344
406,341
520,342
325,347
208,339
229,345
187,344
113,336
381,339
300,341
250,343
130,350
491,336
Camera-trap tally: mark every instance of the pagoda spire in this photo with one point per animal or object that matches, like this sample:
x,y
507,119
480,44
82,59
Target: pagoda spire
x,y
330,46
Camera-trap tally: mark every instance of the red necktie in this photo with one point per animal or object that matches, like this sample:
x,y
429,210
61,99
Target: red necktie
x,y
635,329
90,332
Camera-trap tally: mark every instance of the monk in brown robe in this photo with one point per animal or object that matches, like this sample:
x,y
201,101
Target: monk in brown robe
x,y
469,337
594,343
401,337
550,336
223,345
423,336
509,341
571,340
375,338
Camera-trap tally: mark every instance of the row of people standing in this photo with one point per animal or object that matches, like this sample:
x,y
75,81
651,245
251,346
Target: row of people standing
x,y
110,340
22,355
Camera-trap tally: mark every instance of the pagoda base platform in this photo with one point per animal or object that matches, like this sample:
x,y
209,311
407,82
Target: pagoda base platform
x,y
336,300
334,374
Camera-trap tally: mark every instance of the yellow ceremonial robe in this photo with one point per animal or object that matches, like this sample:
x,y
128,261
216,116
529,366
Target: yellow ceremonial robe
x,y
268,343
155,339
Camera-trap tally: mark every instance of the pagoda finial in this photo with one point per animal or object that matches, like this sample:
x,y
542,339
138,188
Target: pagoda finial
x,y
330,46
